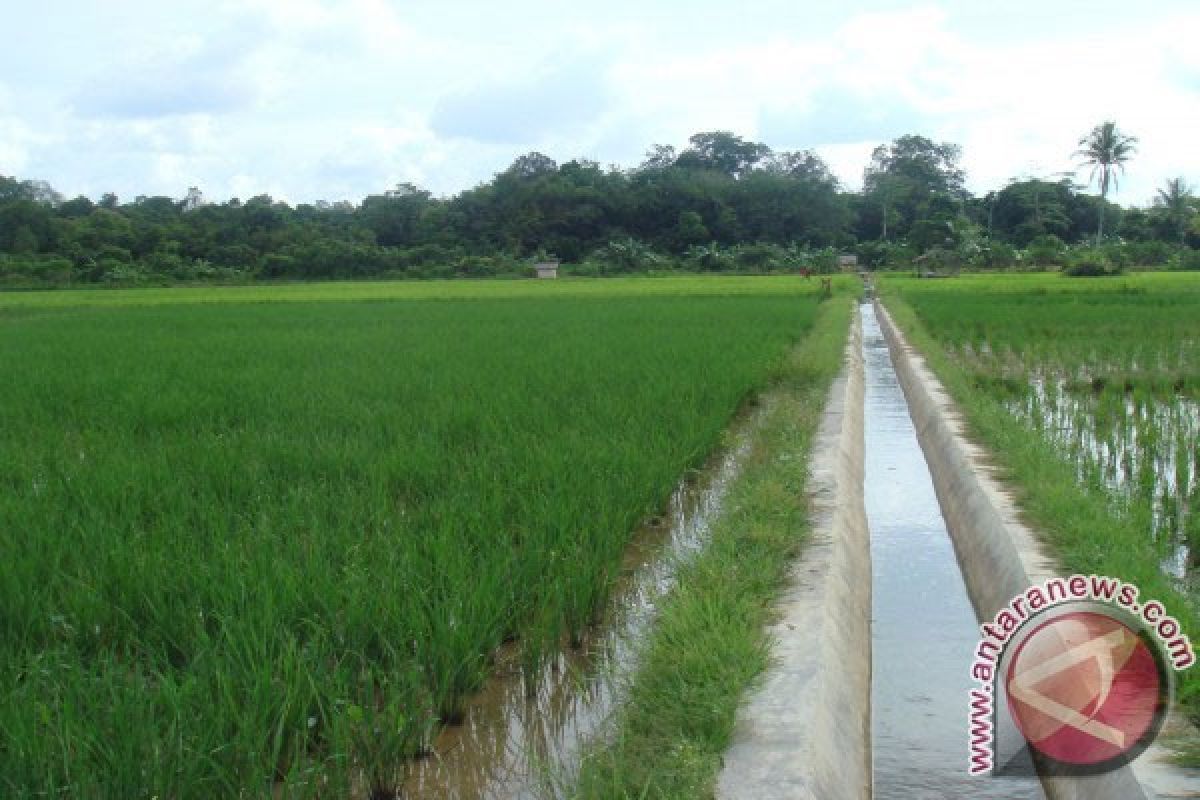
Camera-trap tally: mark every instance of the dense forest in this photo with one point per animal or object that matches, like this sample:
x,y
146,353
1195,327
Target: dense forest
x,y
720,204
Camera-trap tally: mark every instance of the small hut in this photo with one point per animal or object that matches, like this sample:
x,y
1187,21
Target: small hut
x,y
848,262
546,269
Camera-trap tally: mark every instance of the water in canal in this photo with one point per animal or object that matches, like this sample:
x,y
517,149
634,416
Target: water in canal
x,y
923,627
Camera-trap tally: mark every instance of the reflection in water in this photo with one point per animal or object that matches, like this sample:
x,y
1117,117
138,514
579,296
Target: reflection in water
x,y
513,744
924,631
1137,445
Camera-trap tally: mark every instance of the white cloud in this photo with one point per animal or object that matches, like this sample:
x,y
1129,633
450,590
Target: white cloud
x,y
309,99
564,98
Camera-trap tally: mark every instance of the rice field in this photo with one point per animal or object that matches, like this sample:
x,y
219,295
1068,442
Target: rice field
x,y
263,541
1105,369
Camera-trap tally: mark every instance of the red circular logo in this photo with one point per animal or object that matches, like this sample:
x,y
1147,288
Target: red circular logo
x,y
1086,690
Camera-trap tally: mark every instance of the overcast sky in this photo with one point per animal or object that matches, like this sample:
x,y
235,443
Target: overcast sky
x,y
308,99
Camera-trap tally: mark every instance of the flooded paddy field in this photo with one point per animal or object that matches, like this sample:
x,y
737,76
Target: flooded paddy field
x,y
1106,370
286,540
1145,449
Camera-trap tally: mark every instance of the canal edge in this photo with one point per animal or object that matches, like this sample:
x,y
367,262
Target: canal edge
x,y
805,732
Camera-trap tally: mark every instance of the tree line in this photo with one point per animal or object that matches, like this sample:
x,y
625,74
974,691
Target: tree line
x,y
722,204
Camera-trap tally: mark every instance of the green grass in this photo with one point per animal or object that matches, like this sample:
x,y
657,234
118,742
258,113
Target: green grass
x,y
971,283
1137,331
256,546
709,644
635,286
1073,385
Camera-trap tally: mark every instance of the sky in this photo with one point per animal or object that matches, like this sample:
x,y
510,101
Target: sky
x,y
311,100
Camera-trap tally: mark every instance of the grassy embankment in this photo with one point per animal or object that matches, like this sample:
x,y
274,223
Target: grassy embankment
x,y
709,643
1081,389
261,541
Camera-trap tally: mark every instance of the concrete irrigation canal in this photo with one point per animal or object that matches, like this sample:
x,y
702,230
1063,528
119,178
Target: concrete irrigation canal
x,y
913,542
922,623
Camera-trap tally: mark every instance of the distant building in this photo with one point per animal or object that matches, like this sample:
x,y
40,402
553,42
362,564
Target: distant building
x,y
546,269
848,262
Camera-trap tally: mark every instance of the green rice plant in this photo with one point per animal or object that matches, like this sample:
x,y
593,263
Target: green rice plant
x,y
266,541
1117,355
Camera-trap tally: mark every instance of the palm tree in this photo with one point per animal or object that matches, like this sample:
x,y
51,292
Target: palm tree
x,y
1178,205
1105,149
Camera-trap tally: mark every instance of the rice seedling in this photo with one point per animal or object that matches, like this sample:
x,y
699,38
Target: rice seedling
x,y
267,546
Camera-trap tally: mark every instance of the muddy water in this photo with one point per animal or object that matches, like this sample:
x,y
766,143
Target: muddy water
x,y
1138,447
514,744
923,627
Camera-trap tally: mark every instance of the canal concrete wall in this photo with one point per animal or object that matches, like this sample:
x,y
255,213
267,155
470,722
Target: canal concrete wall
x,y
1000,556
805,732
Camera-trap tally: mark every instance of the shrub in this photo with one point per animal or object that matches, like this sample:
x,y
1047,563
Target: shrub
x,y
627,255
233,255
164,263
709,258
1186,259
884,254
1093,261
583,269
1086,269
1116,254
1046,250
475,267
941,259
1090,263
119,273
996,254
427,255
276,265
823,261
1149,254
35,270
761,256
